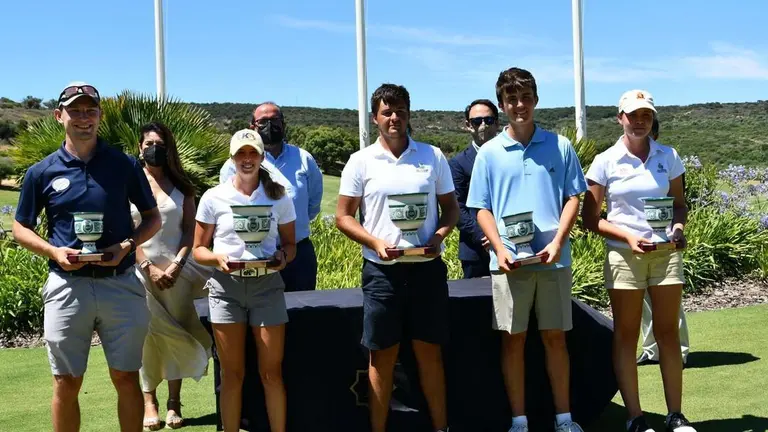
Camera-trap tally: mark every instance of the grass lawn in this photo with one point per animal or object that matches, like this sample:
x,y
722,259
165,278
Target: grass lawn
x,y
8,197
724,384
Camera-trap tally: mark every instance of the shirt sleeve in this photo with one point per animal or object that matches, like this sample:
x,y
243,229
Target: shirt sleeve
x,y
31,200
479,196
139,191
351,183
284,210
444,182
314,187
676,166
205,210
575,183
597,171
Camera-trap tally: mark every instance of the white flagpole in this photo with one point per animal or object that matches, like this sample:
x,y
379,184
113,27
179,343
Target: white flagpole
x,y
578,70
362,80
159,50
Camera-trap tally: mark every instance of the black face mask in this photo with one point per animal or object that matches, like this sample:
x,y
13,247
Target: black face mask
x,y
271,133
155,155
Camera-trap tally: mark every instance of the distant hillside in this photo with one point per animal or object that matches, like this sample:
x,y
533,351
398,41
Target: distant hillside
x,y
727,133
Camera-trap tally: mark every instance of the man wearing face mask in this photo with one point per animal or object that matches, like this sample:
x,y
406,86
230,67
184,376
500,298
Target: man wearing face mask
x,y
481,120
295,166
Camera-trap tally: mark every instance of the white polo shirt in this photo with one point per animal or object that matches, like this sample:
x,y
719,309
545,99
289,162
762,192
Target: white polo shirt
x,y
374,173
627,179
214,208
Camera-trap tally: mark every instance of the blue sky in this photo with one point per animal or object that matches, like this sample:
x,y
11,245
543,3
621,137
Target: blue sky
x,y
446,53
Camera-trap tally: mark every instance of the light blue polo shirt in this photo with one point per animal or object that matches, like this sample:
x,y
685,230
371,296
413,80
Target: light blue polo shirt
x,y
508,178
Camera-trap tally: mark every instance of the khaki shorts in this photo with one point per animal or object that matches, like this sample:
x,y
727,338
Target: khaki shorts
x,y
116,307
627,270
516,293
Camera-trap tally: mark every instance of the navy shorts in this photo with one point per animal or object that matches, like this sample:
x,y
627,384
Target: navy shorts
x,y
404,301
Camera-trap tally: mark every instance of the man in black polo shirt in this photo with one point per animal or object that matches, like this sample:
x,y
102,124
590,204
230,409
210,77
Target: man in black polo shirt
x,y
86,175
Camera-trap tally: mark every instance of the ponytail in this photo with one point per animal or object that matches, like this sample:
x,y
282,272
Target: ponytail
x,y
273,189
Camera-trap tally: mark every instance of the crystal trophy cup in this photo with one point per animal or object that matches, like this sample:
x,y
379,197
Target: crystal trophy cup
x,y
519,229
408,212
659,212
89,226
252,223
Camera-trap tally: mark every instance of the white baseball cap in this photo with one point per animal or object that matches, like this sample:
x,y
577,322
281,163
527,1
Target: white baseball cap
x,y
634,100
246,137
77,89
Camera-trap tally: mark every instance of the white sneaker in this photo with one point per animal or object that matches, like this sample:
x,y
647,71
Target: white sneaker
x,y
519,428
569,427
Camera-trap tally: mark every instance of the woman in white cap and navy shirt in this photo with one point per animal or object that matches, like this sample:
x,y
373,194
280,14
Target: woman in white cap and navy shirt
x,y
637,167
241,297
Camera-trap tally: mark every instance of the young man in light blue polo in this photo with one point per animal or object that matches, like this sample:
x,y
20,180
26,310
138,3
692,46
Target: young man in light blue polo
x,y
528,169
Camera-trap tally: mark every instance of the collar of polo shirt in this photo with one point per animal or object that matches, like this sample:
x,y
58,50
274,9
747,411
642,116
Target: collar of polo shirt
x,y
622,148
68,157
379,150
538,136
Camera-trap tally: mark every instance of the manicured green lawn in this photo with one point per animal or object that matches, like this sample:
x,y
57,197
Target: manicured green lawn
x,y
725,383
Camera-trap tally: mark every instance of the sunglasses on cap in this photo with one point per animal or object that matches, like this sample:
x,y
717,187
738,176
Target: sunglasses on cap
x,y
477,121
75,90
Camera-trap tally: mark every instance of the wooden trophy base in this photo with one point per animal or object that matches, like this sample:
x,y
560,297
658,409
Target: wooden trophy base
x,y
90,257
662,246
252,264
414,251
529,261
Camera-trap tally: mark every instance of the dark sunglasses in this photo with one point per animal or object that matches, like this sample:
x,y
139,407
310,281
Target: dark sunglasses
x,y
477,121
74,90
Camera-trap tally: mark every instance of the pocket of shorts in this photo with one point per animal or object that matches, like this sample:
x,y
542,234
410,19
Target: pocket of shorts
x,y
51,287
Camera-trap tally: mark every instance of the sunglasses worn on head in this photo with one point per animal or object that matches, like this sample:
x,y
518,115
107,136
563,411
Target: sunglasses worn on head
x,y
477,121
74,90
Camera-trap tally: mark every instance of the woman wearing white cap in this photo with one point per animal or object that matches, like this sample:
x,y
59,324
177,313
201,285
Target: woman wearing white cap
x,y
637,167
241,297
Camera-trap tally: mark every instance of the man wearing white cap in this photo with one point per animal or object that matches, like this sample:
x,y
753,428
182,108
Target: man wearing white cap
x,y
87,175
635,168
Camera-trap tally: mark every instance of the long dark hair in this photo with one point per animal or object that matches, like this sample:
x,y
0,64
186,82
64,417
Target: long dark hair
x,y
173,168
273,189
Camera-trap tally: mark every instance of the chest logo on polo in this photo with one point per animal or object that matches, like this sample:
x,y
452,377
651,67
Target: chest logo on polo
x,y
422,168
60,183
661,169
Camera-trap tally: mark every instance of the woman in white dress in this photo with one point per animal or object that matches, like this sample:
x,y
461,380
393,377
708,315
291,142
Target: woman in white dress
x,y
177,344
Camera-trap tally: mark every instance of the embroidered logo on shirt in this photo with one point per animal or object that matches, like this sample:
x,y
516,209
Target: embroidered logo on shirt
x,y
661,168
60,183
422,168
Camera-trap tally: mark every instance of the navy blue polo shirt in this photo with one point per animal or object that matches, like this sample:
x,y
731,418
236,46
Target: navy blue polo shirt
x,y
63,184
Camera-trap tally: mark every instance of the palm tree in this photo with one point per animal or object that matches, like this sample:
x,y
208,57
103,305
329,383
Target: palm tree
x,y
202,148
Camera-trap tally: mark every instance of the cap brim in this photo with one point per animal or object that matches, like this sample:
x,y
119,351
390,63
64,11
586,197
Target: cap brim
x,y
233,150
636,105
69,101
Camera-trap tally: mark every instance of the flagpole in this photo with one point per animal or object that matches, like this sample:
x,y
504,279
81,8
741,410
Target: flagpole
x,y
362,80
578,70
159,50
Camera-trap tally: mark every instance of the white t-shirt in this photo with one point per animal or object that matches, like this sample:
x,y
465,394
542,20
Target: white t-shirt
x,y
627,179
374,173
214,208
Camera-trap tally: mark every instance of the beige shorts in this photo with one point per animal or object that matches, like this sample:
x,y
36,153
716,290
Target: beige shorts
x,y
516,293
627,270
